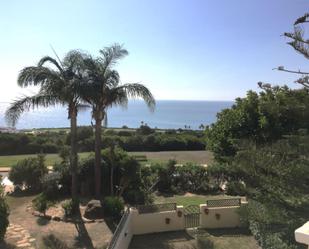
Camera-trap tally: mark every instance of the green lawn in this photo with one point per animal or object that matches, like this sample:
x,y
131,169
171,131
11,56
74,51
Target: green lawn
x,y
188,199
201,157
8,161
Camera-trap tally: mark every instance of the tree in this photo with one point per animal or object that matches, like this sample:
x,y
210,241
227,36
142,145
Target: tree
x,y
275,178
301,45
103,90
59,84
260,117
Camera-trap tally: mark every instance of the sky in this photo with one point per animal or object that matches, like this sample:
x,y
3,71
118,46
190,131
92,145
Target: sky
x,y
180,49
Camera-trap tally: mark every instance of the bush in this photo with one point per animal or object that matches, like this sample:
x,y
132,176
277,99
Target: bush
x,y
40,203
4,214
50,185
70,207
113,206
145,130
29,172
138,197
235,188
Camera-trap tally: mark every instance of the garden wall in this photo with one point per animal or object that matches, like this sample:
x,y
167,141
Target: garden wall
x,y
158,222
136,223
124,236
219,217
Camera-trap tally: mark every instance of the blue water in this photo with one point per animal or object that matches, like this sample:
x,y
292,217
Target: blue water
x,y
168,114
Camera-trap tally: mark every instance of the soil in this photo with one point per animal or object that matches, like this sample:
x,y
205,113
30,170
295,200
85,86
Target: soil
x,y
41,233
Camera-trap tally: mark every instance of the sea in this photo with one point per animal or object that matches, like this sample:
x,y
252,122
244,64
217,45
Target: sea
x,y
168,114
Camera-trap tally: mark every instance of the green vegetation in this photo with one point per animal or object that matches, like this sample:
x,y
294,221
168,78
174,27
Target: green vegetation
x,y
268,164
105,90
259,117
181,179
4,213
28,173
70,207
40,203
113,206
261,148
130,140
199,157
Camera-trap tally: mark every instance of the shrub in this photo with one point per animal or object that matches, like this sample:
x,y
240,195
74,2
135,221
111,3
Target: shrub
x,y
235,188
70,207
40,203
125,133
113,206
138,197
50,185
29,172
4,214
145,130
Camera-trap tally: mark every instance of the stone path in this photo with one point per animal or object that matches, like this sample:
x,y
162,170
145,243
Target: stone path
x,y
19,237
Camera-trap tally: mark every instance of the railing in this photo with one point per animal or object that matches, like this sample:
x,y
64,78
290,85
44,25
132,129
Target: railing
x,y
119,228
155,208
224,202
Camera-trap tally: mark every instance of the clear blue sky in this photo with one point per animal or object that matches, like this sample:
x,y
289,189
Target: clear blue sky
x,y
200,50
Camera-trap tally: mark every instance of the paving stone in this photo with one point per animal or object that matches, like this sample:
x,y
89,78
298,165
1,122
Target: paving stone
x,y
22,241
23,245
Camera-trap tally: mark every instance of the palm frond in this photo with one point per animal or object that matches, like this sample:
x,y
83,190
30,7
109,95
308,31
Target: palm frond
x,y
302,19
137,90
50,60
36,76
23,104
110,55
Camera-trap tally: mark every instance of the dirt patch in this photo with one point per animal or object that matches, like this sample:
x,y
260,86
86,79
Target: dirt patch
x,y
54,233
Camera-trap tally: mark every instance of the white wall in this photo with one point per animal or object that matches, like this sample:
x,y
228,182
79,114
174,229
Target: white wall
x,y
126,234
156,222
229,217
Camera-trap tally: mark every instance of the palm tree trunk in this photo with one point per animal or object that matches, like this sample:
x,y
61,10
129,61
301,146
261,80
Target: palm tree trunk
x,y
97,168
112,160
73,157
112,180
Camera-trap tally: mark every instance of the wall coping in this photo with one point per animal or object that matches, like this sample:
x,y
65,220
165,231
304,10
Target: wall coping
x,y
302,234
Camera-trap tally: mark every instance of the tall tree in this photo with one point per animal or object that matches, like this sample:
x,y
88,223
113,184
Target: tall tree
x,y
301,45
103,90
59,83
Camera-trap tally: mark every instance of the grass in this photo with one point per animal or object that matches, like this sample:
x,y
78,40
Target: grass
x,y
188,199
9,161
202,157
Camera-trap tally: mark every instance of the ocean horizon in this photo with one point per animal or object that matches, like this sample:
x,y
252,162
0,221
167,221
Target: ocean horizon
x,y
169,114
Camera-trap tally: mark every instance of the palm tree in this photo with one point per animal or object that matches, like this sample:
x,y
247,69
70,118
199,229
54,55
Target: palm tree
x,y
103,90
59,84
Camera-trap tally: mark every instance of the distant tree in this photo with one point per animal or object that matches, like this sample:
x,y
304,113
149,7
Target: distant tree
x,y
301,45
